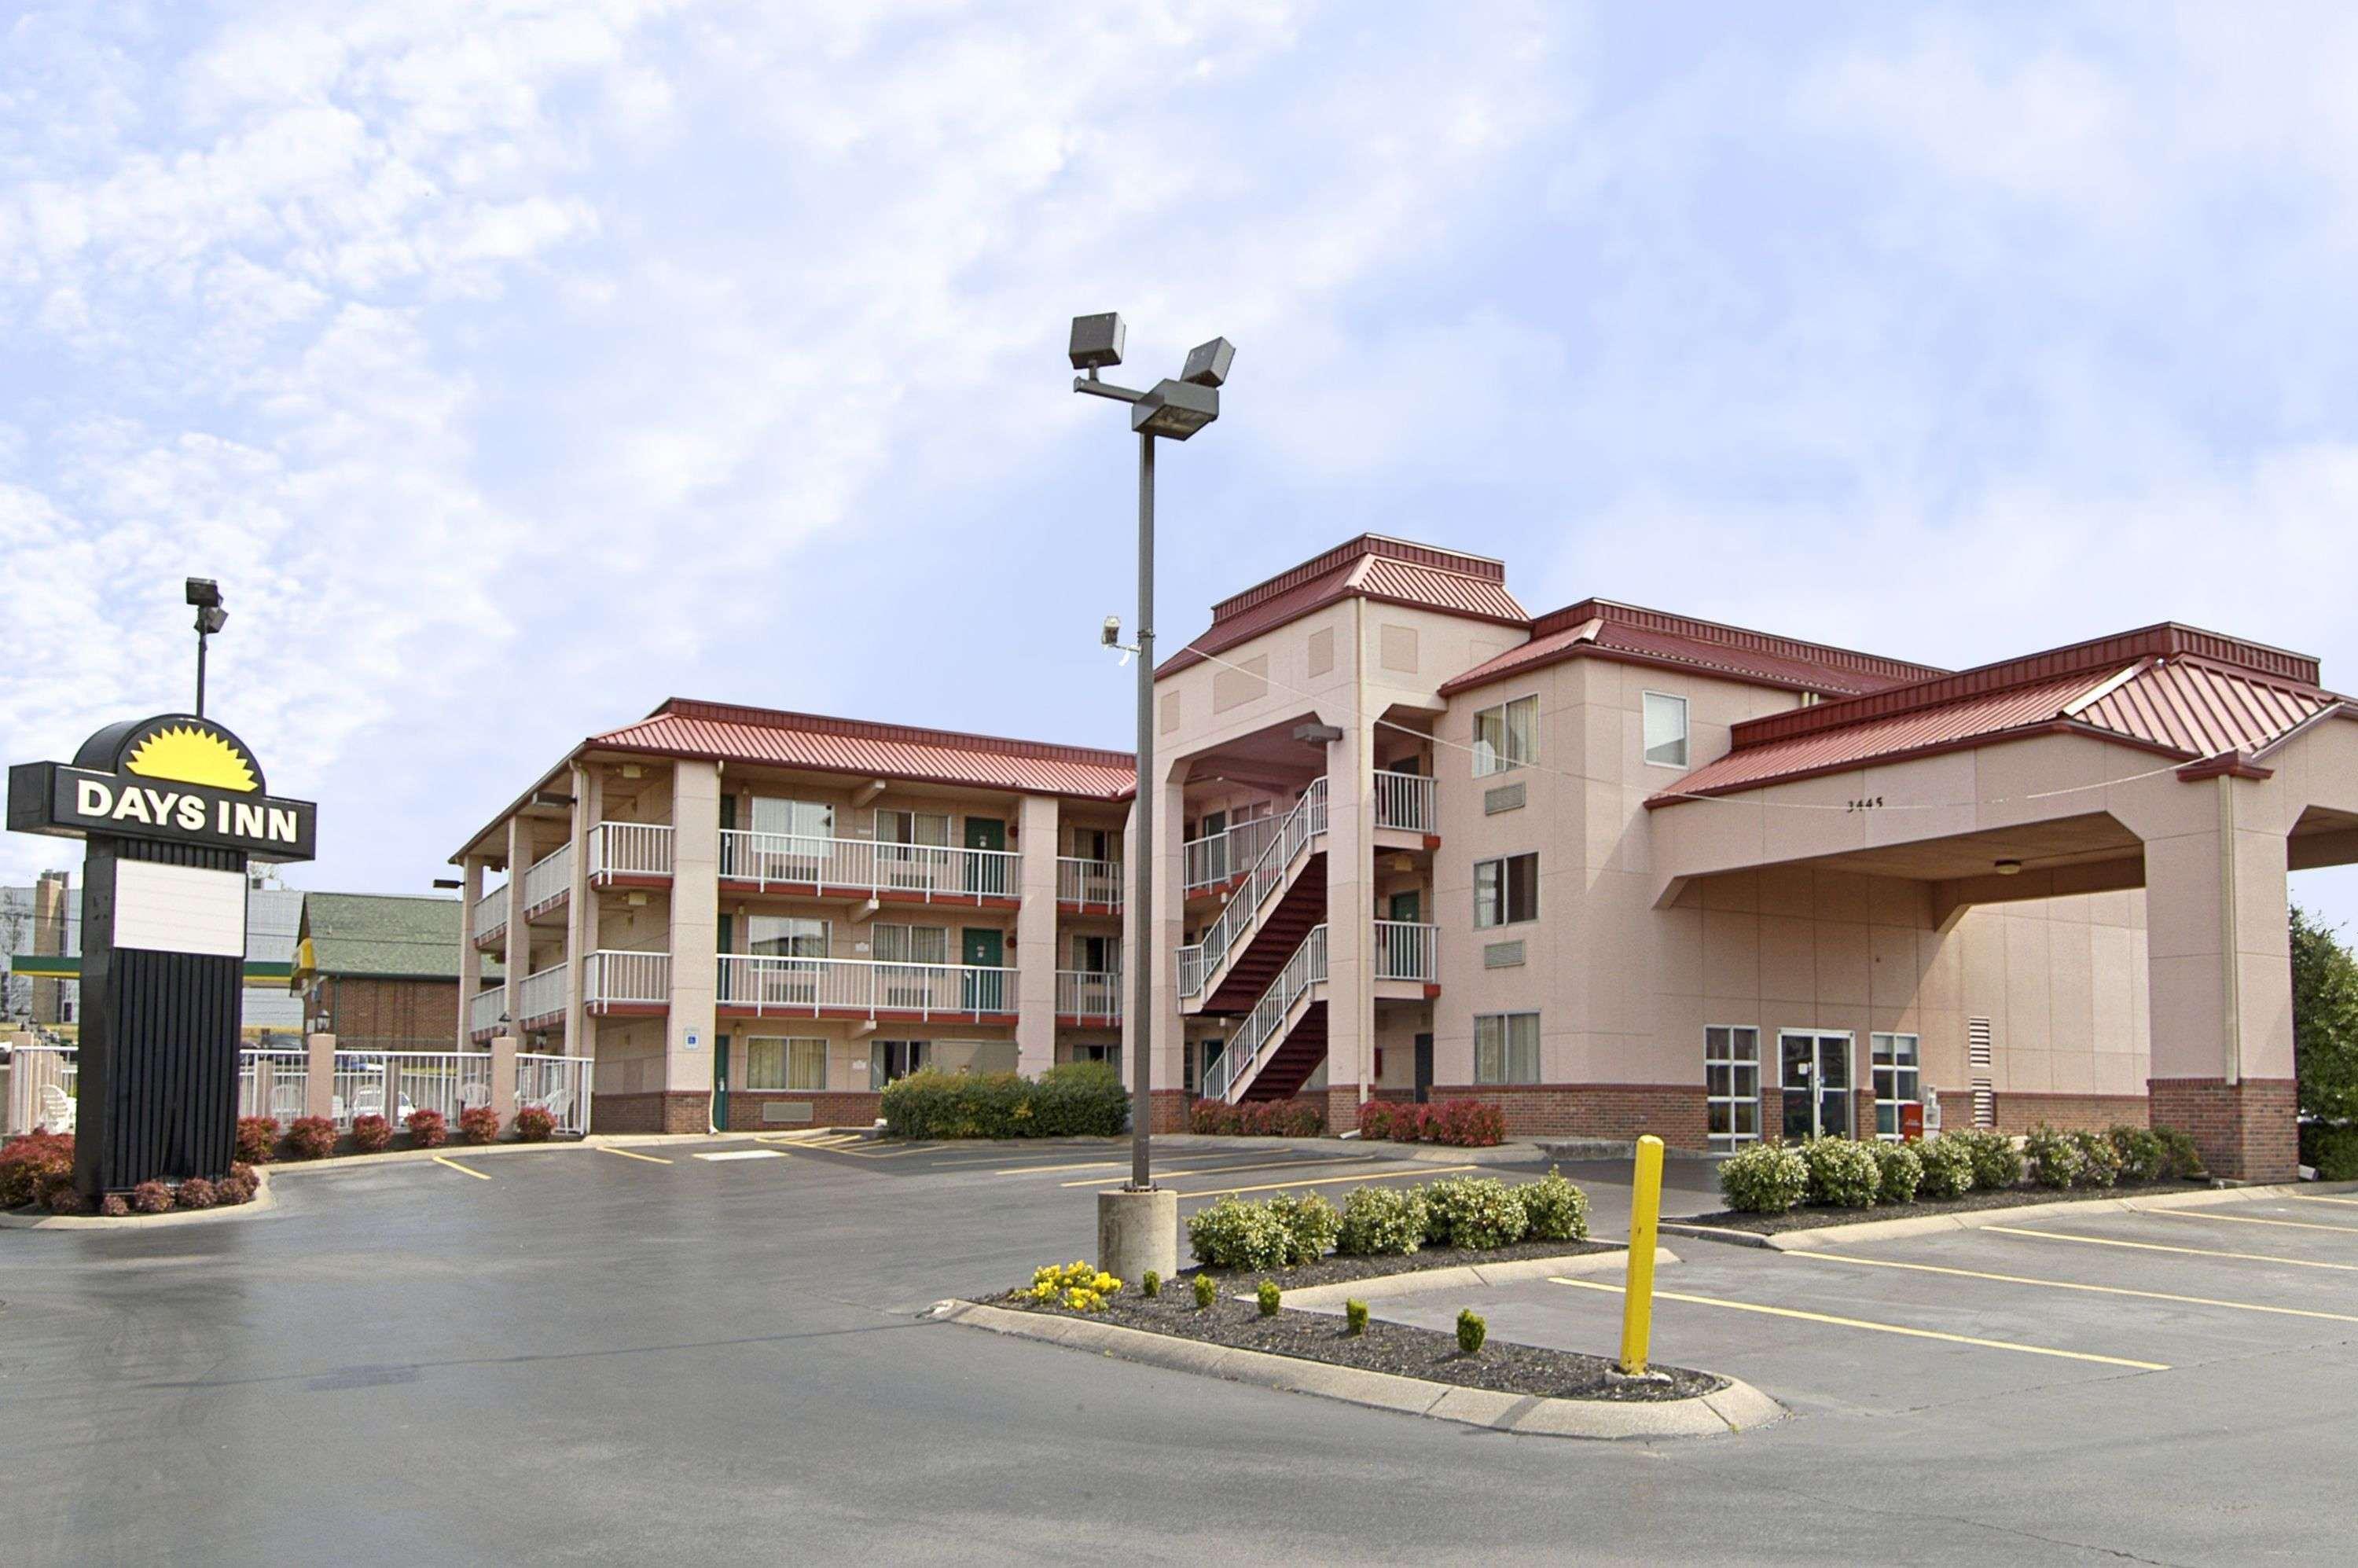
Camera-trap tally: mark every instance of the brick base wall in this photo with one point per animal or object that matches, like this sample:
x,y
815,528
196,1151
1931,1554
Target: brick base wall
x,y
2247,1131
847,1109
2070,1113
1675,1113
1170,1110
677,1111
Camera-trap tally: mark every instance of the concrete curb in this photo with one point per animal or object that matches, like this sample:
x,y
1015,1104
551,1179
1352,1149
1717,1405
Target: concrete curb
x,y
1462,1276
1974,1219
264,1200
1739,1407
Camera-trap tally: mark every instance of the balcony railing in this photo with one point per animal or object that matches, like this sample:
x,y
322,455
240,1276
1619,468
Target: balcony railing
x,y
1223,856
765,984
1407,951
540,997
1088,881
1405,800
1307,967
492,913
631,978
1290,835
550,878
629,849
1091,995
935,872
483,1009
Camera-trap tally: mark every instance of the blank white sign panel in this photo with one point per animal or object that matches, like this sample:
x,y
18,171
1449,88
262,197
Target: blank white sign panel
x,y
179,909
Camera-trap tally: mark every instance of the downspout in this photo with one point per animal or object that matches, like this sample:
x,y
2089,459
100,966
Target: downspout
x,y
2230,985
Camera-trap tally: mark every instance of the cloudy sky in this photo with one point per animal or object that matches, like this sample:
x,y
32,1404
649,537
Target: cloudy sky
x,y
517,364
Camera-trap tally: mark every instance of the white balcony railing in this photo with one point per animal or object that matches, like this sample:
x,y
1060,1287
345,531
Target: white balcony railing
x,y
1307,967
550,878
1088,881
936,872
540,997
630,977
483,1009
1405,800
1093,996
766,984
629,849
1223,856
492,913
1407,951
1291,834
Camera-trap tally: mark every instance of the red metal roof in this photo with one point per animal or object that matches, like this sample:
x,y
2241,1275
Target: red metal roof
x,y
1600,628
1394,571
2172,690
723,733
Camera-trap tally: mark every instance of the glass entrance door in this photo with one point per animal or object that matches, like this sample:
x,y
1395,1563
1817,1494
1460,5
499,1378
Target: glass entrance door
x,y
1816,1079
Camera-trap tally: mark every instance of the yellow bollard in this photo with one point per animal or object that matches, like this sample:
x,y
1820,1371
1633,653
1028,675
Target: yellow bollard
x,y
1637,1299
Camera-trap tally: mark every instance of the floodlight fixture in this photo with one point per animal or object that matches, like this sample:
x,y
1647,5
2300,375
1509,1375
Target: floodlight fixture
x,y
1174,410
1208,364
1111,636
1095,341
204,592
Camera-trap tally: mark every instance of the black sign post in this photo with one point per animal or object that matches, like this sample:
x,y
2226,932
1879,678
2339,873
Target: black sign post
x,y
173,808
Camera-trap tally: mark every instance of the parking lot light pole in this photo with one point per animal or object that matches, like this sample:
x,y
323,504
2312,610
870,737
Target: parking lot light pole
x,y
1171,410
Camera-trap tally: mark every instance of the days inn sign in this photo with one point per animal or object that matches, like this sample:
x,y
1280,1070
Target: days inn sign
x,y
176,778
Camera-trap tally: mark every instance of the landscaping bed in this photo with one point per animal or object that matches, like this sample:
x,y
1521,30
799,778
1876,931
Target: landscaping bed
x,y
1811,1218
1396,1348
1338,1268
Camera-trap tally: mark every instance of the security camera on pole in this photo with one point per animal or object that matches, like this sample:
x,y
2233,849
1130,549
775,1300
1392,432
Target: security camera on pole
x,y
1138,1226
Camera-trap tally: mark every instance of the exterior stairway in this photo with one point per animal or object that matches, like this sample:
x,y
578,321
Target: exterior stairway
x,y
1274,904
1283,1038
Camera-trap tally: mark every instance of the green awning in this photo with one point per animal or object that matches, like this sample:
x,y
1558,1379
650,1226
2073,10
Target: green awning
x,y
43,967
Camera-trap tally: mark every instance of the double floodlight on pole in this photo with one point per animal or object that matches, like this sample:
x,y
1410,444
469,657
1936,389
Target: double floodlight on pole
x,y
1172,411
206,595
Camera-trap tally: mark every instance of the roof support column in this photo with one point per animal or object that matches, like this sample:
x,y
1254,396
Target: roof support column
x,y
518,954
1350,919
694,943
578,914
1037,959
470,961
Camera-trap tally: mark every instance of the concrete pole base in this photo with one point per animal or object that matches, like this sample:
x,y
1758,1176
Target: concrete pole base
x,y
1136,1232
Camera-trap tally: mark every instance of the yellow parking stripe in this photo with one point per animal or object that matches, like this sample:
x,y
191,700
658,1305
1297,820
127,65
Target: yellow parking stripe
x,y
462,1170
2320,1197
1328,1181
2250,1219
2069,1285
625,1153
1876,1327
2165,1247
1217,1170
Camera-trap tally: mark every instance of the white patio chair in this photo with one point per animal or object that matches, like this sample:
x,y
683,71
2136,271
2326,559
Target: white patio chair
x,y
471,1095
58,1108
558,1103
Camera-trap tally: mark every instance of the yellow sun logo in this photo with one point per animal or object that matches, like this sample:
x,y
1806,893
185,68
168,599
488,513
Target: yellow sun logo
x,y
188,755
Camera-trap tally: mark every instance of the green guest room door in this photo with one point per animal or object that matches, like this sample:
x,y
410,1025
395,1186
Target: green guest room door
x,y
984,952
986,874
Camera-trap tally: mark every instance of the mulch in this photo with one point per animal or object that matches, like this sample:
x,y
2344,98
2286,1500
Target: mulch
x,y
1334,1270
1404,1351
2013,1197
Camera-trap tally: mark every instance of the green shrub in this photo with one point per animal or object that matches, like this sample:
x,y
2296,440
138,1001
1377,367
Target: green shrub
x,y
2179,1155
1150,1286
2057,1159
1355,1317
1206,1292
1557,1210
1234,1234
1843,1173
2141,1153
1381,1221
1764,1178
1476,1211
2100,1162
1076,1100
2334,1150
1268,1296
1997,1163
1310,1222
1899,1171
1948,1163
1471,1331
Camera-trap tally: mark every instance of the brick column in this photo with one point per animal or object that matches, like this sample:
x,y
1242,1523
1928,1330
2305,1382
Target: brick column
x,y
1036,958
504,1078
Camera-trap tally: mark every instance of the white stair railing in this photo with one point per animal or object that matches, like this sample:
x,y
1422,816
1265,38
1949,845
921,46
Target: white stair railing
x,y
1307,967
629,849
1405,801
1292,835
1216,858
939,872
1407,951
550,878
765,984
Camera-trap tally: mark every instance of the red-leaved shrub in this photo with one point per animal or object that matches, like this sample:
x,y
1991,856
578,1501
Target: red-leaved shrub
x,y
257,1139
63,1199
427,1129
534,1124
479,1124
310,1138
371,1134
1212,1117
1413,1124
151,1197
113,1207
30,1165
1469,1124
235,1189
197,1193
1375,1118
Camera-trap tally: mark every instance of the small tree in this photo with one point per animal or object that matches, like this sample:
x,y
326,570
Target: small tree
x,y
2324,1019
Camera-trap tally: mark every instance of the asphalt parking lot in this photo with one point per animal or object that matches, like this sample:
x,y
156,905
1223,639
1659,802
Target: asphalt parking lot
x,y
711,1351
